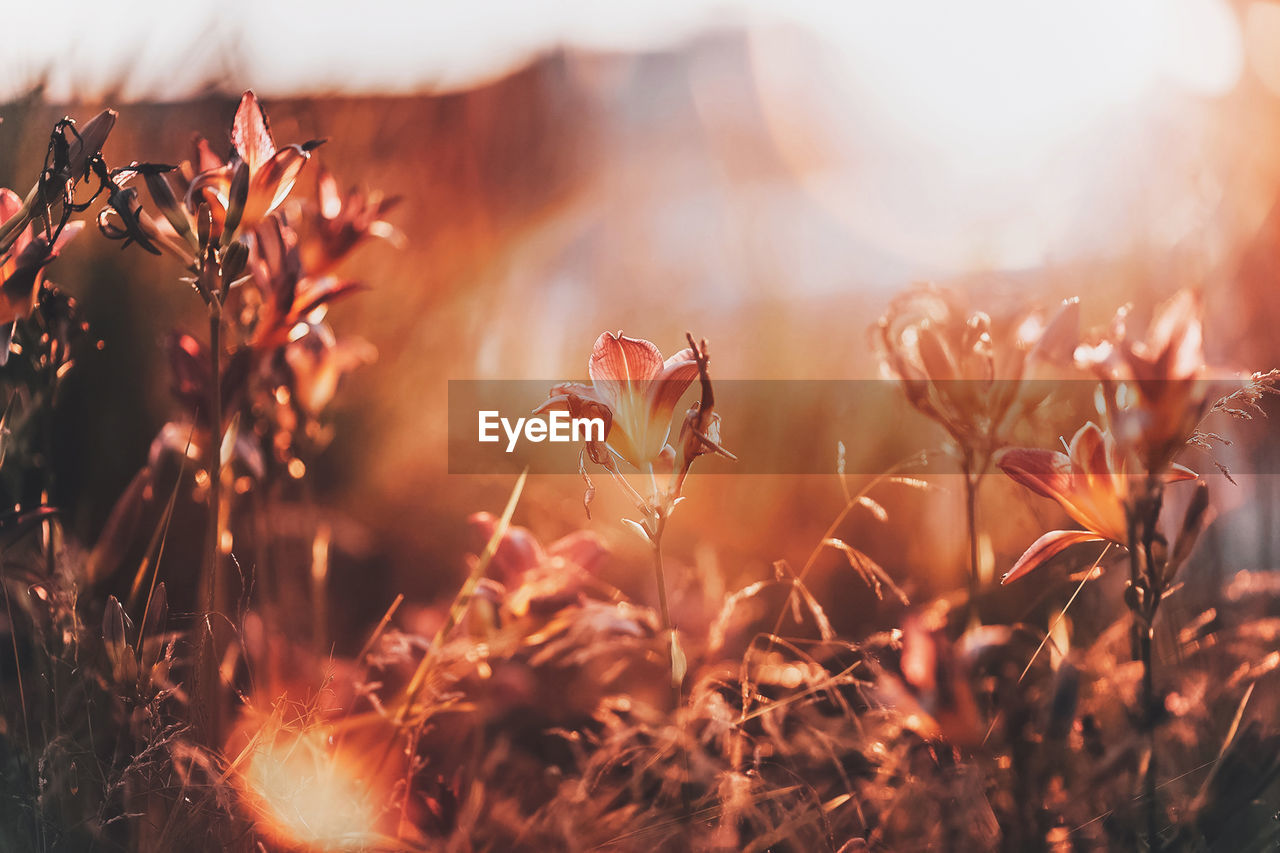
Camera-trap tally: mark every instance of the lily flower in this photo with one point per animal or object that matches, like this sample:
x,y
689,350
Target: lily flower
x,y
239,193
22,267
1091,482
962,369
333,225
639,390
635,392
1163,375
281,299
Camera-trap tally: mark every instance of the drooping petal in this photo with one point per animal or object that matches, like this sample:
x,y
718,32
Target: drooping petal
x,y
1045,548
1045,472
250,134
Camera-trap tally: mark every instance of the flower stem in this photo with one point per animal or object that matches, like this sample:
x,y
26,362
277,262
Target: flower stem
x,y
668,631
214,464
972,480
1146,585
207,679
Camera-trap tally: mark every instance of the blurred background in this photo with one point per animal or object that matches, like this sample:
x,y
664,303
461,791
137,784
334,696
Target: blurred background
x,y
765,175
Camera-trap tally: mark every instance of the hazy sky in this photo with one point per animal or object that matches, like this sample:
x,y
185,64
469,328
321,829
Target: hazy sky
x,y
156,49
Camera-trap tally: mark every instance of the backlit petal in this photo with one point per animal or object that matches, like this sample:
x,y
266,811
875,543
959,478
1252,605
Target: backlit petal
x,y
249,133
1045,548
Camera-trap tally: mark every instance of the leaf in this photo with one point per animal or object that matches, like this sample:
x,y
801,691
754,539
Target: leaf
x,y
1047,547
637,527
679,664
871,572
119,652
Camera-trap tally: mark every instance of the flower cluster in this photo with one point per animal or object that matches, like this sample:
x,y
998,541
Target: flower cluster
x,y
265,265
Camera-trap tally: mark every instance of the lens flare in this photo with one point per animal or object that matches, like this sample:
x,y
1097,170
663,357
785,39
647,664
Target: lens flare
x,y
304,793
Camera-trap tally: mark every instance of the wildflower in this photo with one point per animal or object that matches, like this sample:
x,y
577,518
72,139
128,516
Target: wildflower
x,y
318,361
22,267
636,392
281,294
239,193
1153,389
962,369
333,225
1091,482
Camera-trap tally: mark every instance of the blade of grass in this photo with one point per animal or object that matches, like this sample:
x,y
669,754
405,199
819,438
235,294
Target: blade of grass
x,y
462,600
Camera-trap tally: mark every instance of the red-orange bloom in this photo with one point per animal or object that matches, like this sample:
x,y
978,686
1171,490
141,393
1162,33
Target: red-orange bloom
x,y
238,193
961,368
1166,372
282,295
636,391
333,225
22,266
1091,482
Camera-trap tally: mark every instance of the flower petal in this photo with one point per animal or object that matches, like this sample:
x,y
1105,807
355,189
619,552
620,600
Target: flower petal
x,y
269,185
249,132
10,203
1045,548
678,373
616,358
1045,472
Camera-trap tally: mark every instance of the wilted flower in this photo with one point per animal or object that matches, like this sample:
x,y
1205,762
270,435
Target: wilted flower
x,y
1091,482
73,155
1154,389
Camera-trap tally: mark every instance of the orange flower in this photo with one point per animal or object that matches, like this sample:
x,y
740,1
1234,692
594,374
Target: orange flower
x,y
22,267
1155,389
637,390
1090,482
282,297
333,225
962,369
238,193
